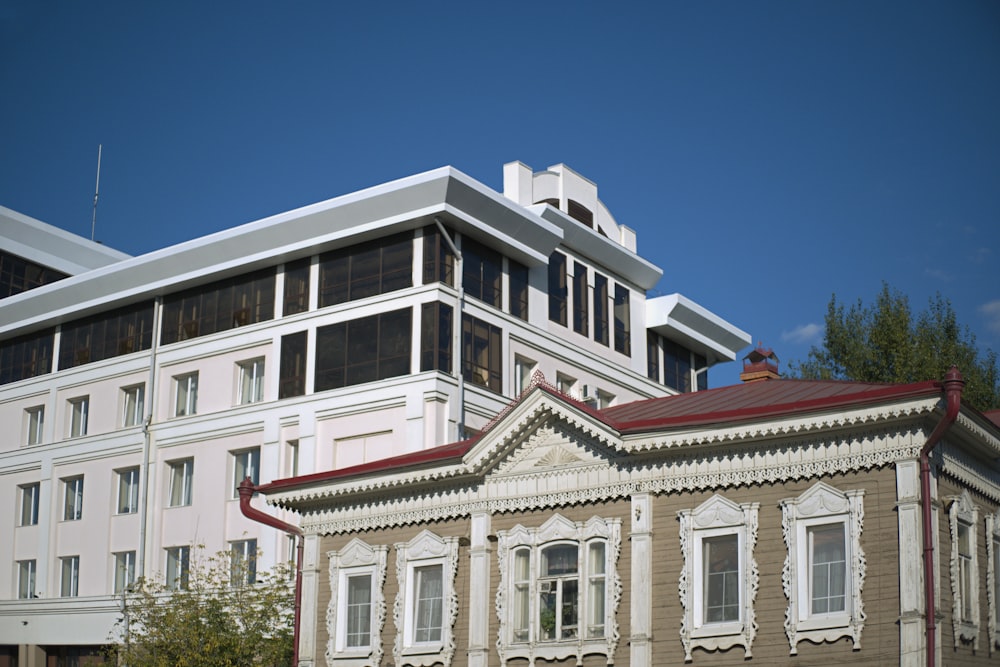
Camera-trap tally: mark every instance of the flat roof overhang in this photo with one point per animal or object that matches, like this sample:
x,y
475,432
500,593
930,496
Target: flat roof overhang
x,y
680,319
459,200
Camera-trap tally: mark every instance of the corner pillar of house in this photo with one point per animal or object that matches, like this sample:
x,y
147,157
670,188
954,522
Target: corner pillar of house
x,y
912,624
479,587
310,600
641,610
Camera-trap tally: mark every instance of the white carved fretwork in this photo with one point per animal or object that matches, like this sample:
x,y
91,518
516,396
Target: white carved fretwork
x,y
823,508
718,518
593,635
355,559
962,520
426,550
992,558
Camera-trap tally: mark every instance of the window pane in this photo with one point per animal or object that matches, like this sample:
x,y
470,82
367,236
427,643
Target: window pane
x,y
601,309
721,573
623,325
828,568
581,298
292,374
559,559
359,615
558,290
296,297
521,578
428,603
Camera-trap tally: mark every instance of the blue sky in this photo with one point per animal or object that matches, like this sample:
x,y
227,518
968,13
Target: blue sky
x,y
768,154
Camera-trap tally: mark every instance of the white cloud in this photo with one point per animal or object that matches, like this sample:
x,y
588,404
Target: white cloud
x,y
991,311
806,334
939,274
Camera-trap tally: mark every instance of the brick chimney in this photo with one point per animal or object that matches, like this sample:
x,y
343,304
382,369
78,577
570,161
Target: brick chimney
x,y
760,364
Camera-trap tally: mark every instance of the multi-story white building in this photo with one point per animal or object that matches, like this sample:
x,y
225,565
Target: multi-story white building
x,y
135,392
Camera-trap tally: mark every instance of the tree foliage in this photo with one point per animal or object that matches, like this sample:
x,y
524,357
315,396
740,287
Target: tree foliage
x,y
217,620
886,342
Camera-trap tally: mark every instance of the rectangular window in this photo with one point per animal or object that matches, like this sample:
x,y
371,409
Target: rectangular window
x,y
518,282
367,269
558,290
359,611
242,562
363,350
26,356
965,583
293,458
26,579
73,498
29,504
652,356
178,567
581,312
292,373
69,586
482,272
523,368
106,335
128,490
186,395
623,321
181,477
481,353
20,275
601,309
35,421
721,580
133,399
559,592
428,604
251,389
124,571
435,337
439,262
78,409
219,306
676,366
296,292
828,568
245,464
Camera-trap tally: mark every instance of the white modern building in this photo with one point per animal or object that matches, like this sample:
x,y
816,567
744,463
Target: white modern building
x,y
135,392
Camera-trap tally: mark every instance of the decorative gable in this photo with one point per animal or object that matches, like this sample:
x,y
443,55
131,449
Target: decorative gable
x,y
552,447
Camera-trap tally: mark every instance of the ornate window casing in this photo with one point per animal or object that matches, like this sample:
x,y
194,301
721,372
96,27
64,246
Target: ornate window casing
x,y
719,580
559,590
426,605
993,577
962,519
356,613
825,566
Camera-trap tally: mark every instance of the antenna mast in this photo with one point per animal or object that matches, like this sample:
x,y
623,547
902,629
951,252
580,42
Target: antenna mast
x,y
97,188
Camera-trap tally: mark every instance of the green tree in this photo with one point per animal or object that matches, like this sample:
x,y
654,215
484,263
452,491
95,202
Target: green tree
x,y
217,619
885,342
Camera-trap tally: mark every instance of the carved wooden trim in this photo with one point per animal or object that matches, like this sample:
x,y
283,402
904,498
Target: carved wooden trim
x,y
992,537
362,558
963,510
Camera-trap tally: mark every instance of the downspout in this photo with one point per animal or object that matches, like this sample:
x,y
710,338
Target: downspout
x,y
953,384
456,327
147,439
246,491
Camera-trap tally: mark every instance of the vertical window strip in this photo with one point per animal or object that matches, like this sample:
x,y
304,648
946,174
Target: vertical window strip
x,y
558,289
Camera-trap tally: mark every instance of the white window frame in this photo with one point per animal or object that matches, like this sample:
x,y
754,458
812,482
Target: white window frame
x,y
28,500
963,512
245,461
524,368
79,410
821,505
34,418
186,394
133,404
243,562
185,469
357,558
27,571
178,567
993,578
127,501
425,550
124,574
557,530
718,517
250,381
69,581
72,498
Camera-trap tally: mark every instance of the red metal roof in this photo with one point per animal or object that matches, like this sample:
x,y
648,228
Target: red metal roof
x,y
993,416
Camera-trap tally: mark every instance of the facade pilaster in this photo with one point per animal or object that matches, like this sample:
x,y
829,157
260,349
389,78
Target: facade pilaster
x,y
479,590
641,611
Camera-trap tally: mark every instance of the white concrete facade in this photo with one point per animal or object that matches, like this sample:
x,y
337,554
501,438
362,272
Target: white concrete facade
x,y
301,434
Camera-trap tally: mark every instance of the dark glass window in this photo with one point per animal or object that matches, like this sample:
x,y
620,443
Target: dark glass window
x,y
558,291
581,312
106,335
363,350
652,356
219,306
296,297
482,270
623,326
701,366
439,262
518,283
581,213
26,356
20,275
600,309
366,269
482,353
435,337
292,369
676,366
